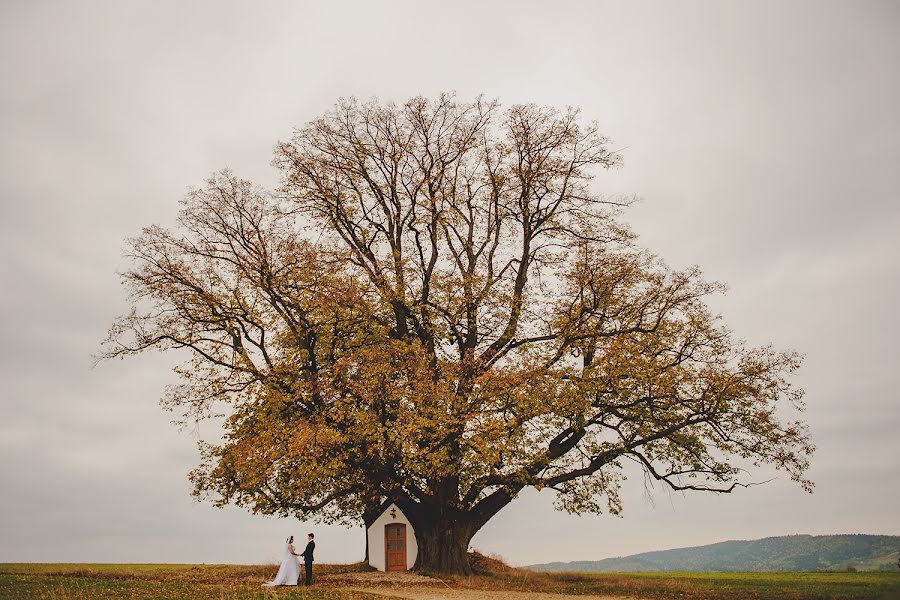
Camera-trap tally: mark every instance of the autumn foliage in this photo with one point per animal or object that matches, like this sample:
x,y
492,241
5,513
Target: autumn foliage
x,y
437,306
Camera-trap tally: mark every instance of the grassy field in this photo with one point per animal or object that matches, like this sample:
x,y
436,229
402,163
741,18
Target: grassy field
x,y
144,581
697,586
89,581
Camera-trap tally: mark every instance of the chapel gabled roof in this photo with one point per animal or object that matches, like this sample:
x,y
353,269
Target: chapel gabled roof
x,y
382,508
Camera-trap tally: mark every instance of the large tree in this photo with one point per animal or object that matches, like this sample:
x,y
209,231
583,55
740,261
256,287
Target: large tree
x,y
437,307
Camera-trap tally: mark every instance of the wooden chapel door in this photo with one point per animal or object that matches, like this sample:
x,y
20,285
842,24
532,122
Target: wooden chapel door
x,y
395,547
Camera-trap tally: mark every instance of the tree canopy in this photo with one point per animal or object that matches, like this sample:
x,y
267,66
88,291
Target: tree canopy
x,y
436,306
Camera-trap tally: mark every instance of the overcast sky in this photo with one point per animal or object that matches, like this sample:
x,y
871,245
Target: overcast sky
x,y
762,136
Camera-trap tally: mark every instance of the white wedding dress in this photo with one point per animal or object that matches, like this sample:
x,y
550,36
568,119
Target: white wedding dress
x,y
289,571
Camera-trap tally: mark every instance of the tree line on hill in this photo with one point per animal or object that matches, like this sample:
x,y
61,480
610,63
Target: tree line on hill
x,y
782,553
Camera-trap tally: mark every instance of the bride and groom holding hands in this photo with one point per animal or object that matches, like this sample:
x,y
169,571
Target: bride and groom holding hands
x,y
289,571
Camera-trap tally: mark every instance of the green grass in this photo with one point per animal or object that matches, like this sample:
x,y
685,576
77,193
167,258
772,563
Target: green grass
x,y
696,586
238,582
780,585
146,581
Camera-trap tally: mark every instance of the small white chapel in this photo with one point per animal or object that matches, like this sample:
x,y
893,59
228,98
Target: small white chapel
x,y
392,541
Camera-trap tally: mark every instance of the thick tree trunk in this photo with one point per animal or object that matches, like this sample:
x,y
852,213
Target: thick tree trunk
x,y
444,544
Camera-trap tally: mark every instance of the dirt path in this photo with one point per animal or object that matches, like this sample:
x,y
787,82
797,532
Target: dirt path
x,y
434,593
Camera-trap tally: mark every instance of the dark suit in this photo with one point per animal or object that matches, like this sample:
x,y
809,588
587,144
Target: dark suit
x,y
308,560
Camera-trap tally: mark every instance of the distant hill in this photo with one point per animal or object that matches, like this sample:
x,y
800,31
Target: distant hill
x,y
783,553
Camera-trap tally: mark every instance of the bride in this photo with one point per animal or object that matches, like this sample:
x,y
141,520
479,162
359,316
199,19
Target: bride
x,y
289,571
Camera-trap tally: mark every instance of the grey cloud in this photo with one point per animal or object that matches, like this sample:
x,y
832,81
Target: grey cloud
x,y
762,137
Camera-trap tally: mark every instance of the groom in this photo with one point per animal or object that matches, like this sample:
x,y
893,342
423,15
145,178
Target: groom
x,y
308,558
